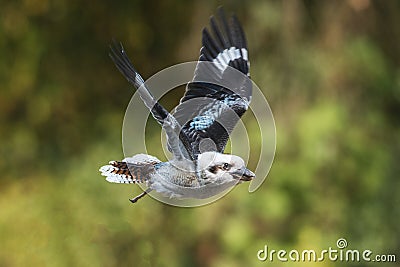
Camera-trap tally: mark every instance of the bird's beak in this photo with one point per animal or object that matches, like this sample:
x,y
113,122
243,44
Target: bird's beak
x,y
244,174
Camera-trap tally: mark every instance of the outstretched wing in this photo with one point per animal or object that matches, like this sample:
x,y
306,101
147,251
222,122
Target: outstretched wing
x,y
136,169
221,89
178,143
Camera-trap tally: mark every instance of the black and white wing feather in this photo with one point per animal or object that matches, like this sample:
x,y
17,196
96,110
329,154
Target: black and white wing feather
x,y
178,143
221,89
215,99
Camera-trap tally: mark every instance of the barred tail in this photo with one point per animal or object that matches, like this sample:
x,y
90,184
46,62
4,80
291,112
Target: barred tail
x,y
136,169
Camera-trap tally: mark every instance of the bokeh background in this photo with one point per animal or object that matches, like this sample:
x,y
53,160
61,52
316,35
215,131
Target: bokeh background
x,y
331,73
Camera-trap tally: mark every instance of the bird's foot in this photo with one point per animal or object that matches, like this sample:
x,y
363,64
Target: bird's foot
x,y
135,199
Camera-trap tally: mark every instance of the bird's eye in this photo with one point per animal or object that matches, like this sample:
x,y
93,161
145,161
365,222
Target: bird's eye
x,y
226,166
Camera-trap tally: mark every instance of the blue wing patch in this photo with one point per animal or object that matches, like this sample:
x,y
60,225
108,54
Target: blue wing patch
x,y
201,123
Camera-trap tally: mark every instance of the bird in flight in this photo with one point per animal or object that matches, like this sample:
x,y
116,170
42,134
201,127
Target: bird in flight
x,y
199,127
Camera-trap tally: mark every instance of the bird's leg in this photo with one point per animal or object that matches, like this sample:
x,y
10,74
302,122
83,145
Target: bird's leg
x,y
135,199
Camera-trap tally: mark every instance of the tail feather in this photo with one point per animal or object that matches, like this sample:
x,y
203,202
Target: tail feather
x,y
136,169
118,172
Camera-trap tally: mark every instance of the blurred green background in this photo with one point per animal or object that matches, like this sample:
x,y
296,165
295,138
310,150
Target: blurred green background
x,y
331,73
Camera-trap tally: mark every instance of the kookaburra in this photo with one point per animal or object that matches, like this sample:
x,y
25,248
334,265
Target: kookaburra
x,y
199,128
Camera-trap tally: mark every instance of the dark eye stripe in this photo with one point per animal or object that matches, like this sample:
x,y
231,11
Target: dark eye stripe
x,y
213,169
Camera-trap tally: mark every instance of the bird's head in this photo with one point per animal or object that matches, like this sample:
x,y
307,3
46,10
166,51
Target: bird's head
x,y
222,168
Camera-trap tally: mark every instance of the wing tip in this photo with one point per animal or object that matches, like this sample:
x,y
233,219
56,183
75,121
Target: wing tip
x,y
224,43
121,60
